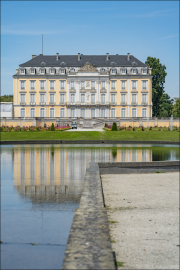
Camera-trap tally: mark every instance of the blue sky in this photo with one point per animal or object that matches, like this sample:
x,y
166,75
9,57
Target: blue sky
x,y
143,28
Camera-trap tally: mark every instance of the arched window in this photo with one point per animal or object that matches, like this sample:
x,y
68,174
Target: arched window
x,y
102,112
23,110
123,112
62,112
92,113
42,112
134,112
32,112
52,114
113,112
83,113
144,112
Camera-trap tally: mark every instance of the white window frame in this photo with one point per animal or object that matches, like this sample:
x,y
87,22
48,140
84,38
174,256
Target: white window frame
x,y
103,101
50,83
34,97
113,71
51,110
134,71
145,95
134,95
144,82
103,113
113,96
40,110
52,71
123,82
93,82
62,71
84,113
102,70
133,81
32,70
34,110
82,84
123,100
144,71
83,98
42,94
62,84
23,88
123,71
133,110
51,95
33,85
42,82
62,110
72,95
22,71
113,112
144,109
72,110
72,84
103,83
93,95
93,109
22,94
113,87
123,112
24,110
62,100
42,71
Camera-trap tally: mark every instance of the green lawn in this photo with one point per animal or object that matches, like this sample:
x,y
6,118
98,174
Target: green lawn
x,y
92,135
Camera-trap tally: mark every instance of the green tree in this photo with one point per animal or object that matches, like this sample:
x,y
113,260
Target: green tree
x,y
166,106
158,80
6,98
114,127
176,109
52,127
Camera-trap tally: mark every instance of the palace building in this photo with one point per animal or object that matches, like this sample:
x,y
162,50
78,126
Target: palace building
x,y
84,86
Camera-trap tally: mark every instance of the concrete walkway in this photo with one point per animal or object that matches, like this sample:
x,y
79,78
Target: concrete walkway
x,y
85,129
143,213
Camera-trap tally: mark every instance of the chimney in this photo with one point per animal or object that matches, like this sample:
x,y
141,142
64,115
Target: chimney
x,y
107,57
33,56
57,55
128,56
78,56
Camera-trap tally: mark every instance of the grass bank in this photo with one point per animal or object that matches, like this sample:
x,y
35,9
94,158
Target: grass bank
x,y
172,136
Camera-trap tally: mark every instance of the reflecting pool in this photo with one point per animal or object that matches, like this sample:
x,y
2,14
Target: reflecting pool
x,y
40,190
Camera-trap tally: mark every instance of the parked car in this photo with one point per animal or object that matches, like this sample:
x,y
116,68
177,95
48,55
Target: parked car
x,y
74,125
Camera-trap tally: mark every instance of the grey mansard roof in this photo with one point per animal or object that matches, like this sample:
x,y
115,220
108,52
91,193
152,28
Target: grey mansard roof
x,y
72,61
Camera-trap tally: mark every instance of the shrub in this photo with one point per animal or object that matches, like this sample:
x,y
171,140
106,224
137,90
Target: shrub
x,y
52,127
114,127
133,129
105,124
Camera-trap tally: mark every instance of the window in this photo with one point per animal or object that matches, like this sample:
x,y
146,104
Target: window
x,y
123,112
62,85
62,98
113,98
42,98
113,85
22,85
123,98
42,71
113,71
144,71
92,113
123,85
22,71
134,85
93,85
72,84
22,98
144,85
62,112
32,112
102,112
144,155
134,71
123,155
72,112
52,112
72,98
134,112
32,98
52,98
113,112
82,84
51,85
134,155
22,112
83,113
32,85
103,83
72,70
123,71
32,71
92,98
134,98
52,71
62,71
42,85
144,98
42,112
102,70
82,98
103,98
144,112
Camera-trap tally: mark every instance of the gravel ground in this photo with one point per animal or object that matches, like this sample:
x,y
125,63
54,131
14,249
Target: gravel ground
x,y
146,209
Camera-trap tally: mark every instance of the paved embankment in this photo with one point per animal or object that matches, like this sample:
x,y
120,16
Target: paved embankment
x,y
143,212
89,245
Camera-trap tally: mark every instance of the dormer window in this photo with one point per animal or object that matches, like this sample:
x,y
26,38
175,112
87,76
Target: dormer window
x,y
22,71
62,71
32,71
72,70
52,71
123,71
42,71
134,71
113,71
102,70
144,71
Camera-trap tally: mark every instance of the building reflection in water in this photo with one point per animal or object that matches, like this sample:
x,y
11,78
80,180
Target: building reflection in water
x,y
53,174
